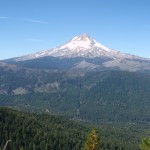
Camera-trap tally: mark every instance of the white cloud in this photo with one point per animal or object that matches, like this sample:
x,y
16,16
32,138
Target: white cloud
x,y
36,21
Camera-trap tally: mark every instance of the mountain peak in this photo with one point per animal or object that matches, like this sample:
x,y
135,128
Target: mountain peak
x,y
83,41
83,37
87,54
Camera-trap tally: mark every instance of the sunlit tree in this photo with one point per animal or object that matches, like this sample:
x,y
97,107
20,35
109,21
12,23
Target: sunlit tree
x,y
93,141
145,145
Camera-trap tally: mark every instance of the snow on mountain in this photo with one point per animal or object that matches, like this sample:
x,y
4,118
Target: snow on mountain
x,y
80,46
83,42
87,54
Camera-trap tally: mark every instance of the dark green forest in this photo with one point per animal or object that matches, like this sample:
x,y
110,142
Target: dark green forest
x,y
39,132
51,110
47,132
108,96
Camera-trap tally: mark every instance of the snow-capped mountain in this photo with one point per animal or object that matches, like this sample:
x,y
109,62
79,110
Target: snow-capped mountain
x,y
86,53
79,46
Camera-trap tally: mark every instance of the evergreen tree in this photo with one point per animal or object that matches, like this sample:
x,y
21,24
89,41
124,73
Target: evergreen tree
x,y
93,141
145,145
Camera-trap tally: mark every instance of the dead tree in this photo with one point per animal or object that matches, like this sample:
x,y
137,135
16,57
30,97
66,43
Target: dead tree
x,y
8,141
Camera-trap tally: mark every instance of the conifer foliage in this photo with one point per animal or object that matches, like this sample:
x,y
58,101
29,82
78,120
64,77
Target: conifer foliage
x,y
93,141
145,145
24,131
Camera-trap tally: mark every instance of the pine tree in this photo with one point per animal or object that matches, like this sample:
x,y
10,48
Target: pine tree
x,y
93,141
145,145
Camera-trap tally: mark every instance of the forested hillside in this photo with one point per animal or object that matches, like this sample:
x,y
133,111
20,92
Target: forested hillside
x,y
46,132
109,96
39,132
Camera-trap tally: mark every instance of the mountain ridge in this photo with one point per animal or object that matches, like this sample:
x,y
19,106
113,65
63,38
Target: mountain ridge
x,y
85,49
78,43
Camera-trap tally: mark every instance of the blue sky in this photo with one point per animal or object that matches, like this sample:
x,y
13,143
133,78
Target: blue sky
x,y
28,26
